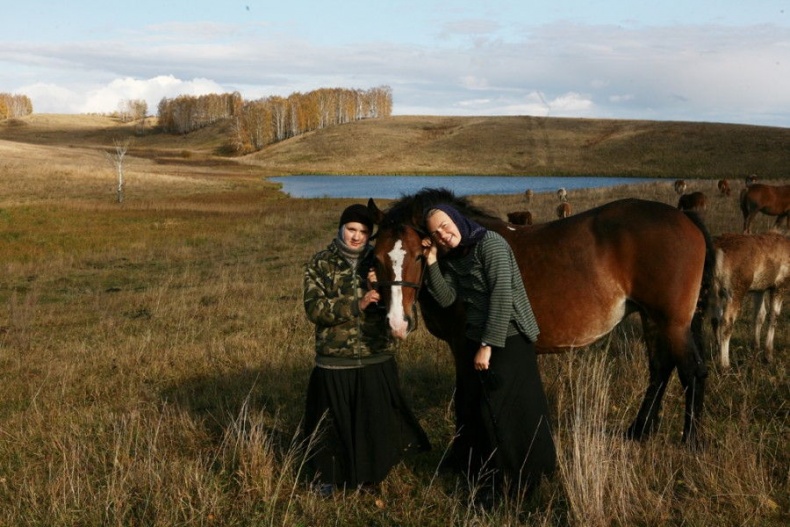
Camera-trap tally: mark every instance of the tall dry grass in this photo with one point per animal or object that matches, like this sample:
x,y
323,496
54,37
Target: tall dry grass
x,y
154,358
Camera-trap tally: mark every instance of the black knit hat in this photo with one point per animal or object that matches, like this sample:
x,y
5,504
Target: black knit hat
x,y
358,213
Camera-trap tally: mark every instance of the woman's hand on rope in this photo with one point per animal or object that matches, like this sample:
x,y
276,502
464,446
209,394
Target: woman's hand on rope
x,y
372,294
372,279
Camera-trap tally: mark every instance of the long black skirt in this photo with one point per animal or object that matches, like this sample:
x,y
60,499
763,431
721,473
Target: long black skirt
x,y
358,424
502,417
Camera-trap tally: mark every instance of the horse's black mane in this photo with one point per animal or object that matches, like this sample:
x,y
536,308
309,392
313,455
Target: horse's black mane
x,y
410,210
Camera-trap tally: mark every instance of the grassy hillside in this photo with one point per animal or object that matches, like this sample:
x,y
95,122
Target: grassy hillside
x,y
154,355
534,146
456,145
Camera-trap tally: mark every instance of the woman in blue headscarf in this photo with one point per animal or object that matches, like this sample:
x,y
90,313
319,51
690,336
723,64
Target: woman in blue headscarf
x,y
501,409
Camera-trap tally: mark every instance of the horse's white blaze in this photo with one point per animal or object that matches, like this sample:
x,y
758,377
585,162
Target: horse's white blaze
x,y
396,317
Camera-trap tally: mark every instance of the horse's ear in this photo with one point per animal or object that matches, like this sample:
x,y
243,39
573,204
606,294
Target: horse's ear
x,y
375,212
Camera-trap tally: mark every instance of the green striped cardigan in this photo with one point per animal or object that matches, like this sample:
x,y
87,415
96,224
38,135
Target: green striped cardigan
x,y
489,283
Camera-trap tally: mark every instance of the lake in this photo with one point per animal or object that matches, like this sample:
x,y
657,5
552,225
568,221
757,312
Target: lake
x,y
391,187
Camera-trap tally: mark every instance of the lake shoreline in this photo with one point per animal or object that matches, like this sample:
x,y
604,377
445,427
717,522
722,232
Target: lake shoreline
x,y
390,187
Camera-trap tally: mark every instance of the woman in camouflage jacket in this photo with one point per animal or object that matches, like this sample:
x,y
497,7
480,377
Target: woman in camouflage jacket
x,y
357,422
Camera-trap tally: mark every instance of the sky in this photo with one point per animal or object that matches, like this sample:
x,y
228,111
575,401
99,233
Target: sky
x,y
679,60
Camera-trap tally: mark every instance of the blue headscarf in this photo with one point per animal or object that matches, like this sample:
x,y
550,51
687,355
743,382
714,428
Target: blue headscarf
x,y
471,231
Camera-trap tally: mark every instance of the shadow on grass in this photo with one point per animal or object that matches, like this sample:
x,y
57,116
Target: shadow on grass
x,y
276,399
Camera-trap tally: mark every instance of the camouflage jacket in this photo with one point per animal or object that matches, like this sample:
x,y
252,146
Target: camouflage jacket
x,y
345,337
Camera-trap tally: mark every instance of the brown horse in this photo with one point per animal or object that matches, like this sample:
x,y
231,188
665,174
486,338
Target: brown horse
x,y
564,210
679,186
624,257
724,187
520,217
757,265
696,201
768,199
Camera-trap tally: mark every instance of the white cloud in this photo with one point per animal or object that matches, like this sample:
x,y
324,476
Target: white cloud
x,y
49,98
735,74
570,104
52,98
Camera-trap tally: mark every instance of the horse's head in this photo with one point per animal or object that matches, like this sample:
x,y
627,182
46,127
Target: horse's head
x,y
400,260
399,269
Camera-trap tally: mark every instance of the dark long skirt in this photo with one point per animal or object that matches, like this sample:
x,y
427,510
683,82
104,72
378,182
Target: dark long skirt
x,y
502,417
361,423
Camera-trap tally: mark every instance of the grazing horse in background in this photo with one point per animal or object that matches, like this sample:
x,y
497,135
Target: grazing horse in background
x,y
528,194
562,194
696,201
768,199
680,187
520,217
724,187
623,257
753,264
564,210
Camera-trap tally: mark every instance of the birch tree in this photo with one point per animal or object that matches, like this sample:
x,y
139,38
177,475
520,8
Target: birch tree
x,y
117,158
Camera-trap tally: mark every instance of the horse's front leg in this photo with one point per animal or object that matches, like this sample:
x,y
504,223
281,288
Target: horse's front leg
x,y
725,329
759,312
747,221
774,302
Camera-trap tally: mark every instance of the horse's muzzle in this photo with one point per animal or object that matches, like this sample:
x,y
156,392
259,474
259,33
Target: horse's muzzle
x,y
400,327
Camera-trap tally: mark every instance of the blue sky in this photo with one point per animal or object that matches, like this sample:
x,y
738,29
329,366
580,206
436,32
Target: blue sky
x,y
692,60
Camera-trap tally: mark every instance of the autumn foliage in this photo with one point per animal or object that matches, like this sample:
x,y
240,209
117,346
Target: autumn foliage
x,y
261,122
13,106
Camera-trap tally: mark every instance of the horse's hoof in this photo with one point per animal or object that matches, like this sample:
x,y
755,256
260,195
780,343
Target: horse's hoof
x,y
636,433
694,443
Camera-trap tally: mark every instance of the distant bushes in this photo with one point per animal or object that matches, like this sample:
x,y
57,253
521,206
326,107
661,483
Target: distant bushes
x,y
132,110
261,122
13,106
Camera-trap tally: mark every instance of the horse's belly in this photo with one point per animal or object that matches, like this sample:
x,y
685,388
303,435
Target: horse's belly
x,y
573,325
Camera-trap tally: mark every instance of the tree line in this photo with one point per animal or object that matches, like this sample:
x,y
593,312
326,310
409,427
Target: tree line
x,y
254,124
268,120
13,106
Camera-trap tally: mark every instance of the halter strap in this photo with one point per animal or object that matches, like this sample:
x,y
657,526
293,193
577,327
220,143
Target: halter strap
x,y
403,283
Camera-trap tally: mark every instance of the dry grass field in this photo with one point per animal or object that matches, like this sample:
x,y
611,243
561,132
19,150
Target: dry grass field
x,y
154,354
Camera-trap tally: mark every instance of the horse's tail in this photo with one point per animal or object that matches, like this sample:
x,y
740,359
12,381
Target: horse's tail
x,y
703,300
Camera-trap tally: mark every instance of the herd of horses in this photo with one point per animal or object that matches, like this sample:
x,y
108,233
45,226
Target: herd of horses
x,y
627,256
755,198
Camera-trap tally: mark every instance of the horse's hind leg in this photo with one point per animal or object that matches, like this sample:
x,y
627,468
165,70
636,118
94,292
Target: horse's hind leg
x,y
661,365
692,373
672,346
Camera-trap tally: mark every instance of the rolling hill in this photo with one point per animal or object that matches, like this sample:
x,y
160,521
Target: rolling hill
x,y
516,145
